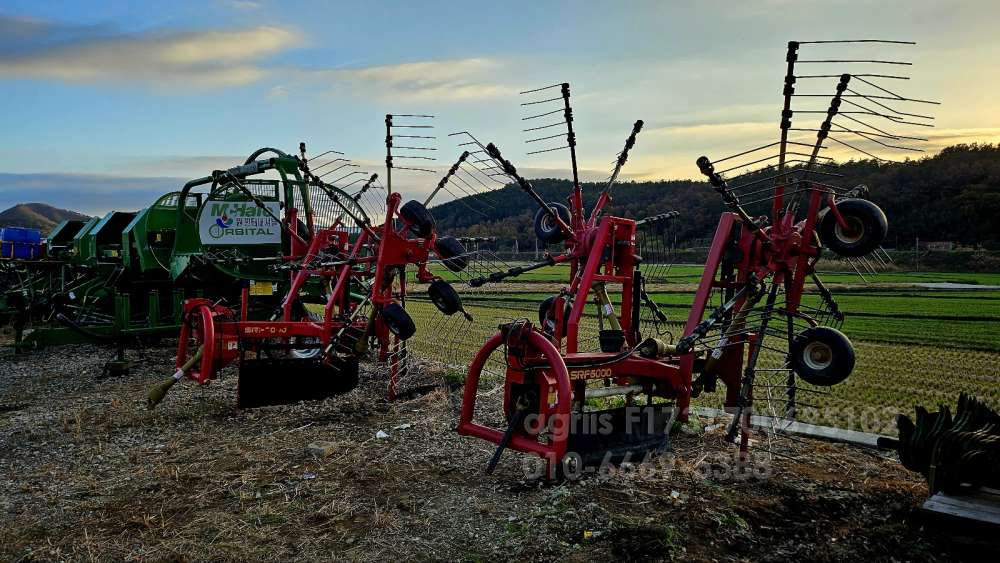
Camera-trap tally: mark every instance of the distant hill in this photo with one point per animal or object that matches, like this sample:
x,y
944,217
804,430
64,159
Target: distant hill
x,y
952,196
37,216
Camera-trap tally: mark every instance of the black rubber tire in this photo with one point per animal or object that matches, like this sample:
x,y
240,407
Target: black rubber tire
x,y
452,253
543,313
869,226
421,221
398,321
444,297
546,229
821,356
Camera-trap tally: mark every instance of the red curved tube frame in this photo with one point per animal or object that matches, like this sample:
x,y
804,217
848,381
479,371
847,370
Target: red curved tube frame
x,y
204,372
556,449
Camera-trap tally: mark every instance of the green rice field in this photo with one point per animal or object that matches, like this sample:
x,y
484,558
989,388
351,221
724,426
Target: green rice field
x,y
832,273
914,345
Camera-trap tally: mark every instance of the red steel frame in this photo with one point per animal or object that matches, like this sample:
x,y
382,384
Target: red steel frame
x,y
785,251
220,331
600,251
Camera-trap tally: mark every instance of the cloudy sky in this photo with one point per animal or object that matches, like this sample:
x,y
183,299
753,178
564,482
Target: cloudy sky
x,y
107,104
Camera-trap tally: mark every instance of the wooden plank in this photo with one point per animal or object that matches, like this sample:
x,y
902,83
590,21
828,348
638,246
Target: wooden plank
x,y
977,511
980,507
970,502
830,433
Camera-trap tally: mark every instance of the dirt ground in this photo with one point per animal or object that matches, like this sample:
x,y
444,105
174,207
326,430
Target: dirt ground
x,y
88,473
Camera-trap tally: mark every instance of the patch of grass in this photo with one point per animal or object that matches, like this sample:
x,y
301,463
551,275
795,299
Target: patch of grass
x,y
454,375
553,513
727,519
644,541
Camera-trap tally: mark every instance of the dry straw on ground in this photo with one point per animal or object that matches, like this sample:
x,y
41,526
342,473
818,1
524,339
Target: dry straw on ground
x,y
87,473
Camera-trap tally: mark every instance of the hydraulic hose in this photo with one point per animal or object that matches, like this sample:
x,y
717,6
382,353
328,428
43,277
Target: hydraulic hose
x,y
72,325
253,156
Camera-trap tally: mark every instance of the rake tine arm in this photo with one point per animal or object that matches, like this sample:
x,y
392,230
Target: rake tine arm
x,y
786,111
511,171
451,172
367,186
304,164
686,343
570,134
605,196
831,112
362,222
653,307
719,185
827,297
657,218
550,260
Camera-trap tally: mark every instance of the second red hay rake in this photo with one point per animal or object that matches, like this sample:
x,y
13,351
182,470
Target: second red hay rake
x,y
756,272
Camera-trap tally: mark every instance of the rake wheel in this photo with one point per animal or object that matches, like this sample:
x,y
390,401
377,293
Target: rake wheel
x,y
546,229
444,297
420,219
398,321
867,227
821,356
452,251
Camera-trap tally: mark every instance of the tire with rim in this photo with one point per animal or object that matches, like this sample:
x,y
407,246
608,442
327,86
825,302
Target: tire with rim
x,y
867,227
451,251
398,321
420,219
311,353
444,297
299,312
546,229
821,356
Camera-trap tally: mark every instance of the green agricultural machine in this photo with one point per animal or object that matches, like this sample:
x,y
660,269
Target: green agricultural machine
x,y
95,282
122,278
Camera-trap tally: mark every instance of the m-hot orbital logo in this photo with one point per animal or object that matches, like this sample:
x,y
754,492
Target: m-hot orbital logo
x,y
240,220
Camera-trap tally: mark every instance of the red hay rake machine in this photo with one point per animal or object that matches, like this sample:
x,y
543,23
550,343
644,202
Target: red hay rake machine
x,y
751,301
547,375
345,292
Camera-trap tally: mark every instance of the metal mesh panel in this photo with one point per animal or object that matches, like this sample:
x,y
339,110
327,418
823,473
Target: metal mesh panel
x,y
328,206
266,190
654,237
371,199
